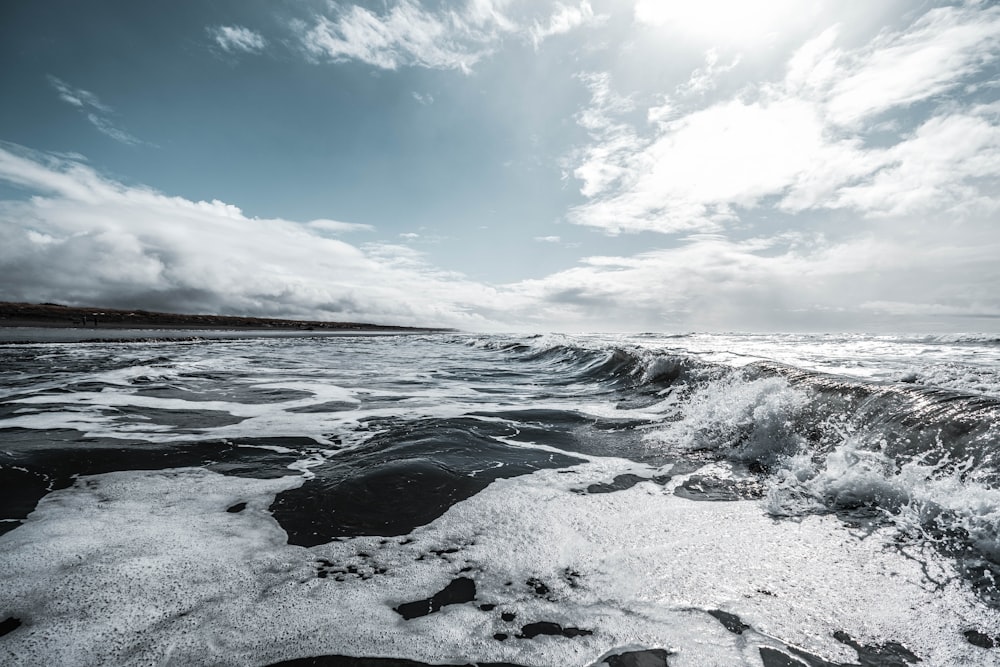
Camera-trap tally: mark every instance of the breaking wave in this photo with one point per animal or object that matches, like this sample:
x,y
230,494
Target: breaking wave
x,y
924,459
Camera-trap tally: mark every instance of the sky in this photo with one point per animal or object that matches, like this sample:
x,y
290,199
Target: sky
x,y
508,165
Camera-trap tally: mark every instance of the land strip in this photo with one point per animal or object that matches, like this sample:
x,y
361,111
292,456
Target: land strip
x,y
52,315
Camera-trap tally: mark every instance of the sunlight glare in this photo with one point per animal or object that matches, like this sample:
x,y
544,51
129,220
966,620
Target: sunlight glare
x,y
730,21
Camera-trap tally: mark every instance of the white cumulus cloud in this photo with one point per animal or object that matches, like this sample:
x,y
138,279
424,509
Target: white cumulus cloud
x,y
87,239
803,142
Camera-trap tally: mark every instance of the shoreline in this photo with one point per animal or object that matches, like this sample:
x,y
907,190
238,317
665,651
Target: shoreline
x,y
55,316
17,335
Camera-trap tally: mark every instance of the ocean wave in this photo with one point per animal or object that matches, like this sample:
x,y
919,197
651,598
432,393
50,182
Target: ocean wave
x,y
923,460
966,338
612,364
341,481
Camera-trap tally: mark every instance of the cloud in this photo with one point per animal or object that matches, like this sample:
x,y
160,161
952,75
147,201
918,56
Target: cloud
x,y
237,39
699,167
82,238
792,281
941,165
564,19
106,127
548,239
77,97
425,99
943,48
337,227
96,112
704,79
803,143
406,33
606,162
85,239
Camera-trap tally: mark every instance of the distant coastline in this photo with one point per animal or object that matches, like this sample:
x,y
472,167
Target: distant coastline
x,y
51,315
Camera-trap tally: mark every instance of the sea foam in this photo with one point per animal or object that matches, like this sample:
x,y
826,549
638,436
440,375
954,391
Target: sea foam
x,y
149,567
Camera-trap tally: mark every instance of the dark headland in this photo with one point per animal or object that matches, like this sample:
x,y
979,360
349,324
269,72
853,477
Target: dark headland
x,y
51,315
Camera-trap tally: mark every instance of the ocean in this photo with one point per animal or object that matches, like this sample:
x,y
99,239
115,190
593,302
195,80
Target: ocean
x,y
548,500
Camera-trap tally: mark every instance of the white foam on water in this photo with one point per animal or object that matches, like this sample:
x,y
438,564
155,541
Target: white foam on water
x,y
94,414
127,377
134,568
968,378
321,393
911,495
741,419
764,420
93,422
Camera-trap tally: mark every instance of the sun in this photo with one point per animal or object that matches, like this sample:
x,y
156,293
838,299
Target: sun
x,y
735,22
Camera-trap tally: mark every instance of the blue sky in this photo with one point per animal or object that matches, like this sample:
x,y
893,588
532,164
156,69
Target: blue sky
x,y
508,164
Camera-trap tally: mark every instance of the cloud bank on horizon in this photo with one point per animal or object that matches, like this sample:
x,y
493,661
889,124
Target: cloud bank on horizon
x,y
713,165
